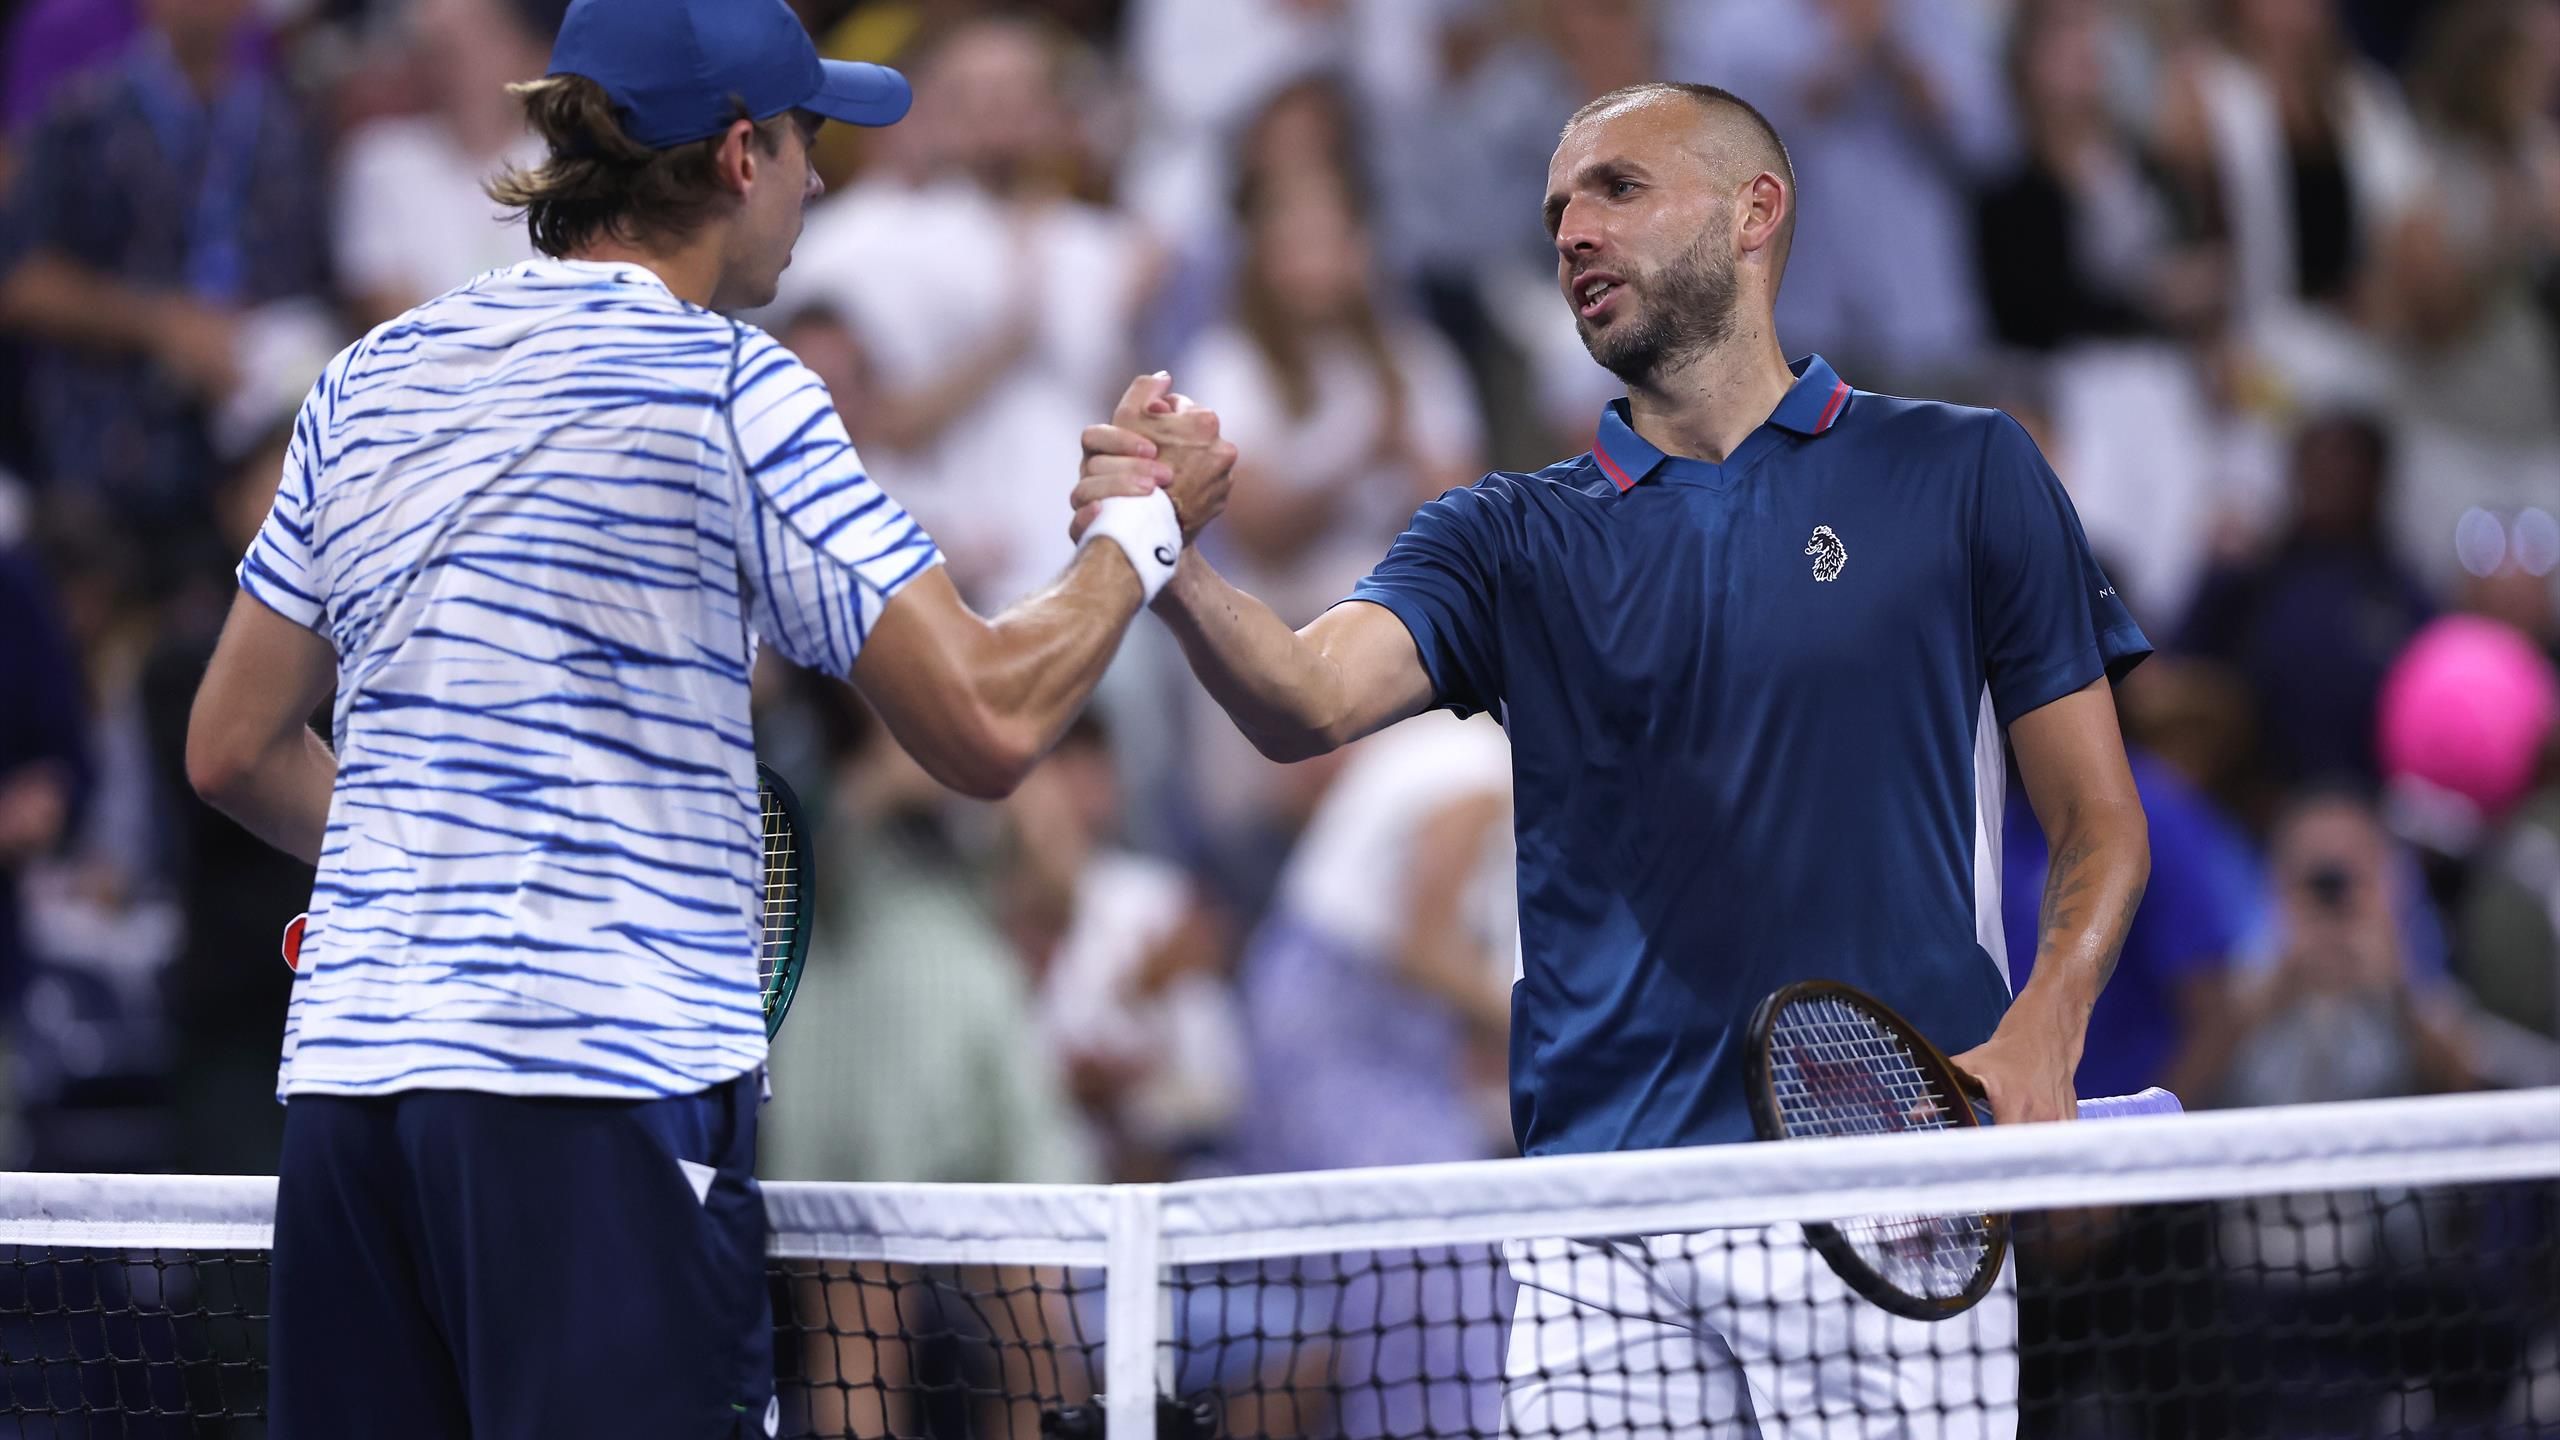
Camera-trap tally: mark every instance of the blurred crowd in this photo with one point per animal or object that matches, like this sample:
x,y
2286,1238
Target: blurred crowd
x,y
2276,284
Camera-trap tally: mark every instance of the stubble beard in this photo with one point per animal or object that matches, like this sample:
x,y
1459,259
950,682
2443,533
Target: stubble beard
x,y
1688,310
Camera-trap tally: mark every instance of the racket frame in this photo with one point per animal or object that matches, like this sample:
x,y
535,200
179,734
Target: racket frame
x,y
773,792
1761,1083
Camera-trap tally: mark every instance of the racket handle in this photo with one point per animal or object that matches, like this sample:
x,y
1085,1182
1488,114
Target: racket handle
x,y
2154,1101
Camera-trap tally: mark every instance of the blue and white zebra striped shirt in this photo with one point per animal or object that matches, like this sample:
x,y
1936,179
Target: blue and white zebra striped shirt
x,y
537,517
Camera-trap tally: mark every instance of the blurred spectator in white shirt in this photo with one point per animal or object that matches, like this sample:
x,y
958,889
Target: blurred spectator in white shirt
x,y
2312,159
913,1050
1892,111
412,221
1467,203
995,307
2478,384
2105,271
1347,414
1203,68
1134,992
1378,993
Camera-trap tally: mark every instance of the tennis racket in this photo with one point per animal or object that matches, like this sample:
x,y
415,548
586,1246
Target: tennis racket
x,y
784,944
1826,1059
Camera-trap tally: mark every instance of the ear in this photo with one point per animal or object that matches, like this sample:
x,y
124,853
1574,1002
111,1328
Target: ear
x,y
1760,212
737,160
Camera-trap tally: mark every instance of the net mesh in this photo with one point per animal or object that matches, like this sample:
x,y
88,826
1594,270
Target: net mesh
x,y
2390,1269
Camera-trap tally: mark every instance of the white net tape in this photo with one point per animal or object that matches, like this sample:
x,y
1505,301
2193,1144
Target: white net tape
x,y
1144,1248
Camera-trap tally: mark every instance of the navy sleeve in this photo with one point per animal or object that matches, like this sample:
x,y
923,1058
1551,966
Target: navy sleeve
x,y
2047,620
1441,578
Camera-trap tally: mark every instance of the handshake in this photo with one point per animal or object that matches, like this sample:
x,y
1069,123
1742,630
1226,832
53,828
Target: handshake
x,y
1157,442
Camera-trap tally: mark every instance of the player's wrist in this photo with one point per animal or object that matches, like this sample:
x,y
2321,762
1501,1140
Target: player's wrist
x,y
1148,532
1184,587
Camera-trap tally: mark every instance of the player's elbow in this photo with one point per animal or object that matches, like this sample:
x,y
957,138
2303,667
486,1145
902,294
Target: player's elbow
x,y
985,757
220,767
1291,744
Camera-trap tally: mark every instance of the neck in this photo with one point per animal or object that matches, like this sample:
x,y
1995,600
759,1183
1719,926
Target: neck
x,y
692,272
1708,405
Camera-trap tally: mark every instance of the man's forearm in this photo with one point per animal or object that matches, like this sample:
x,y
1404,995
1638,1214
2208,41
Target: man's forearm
x,y
1275,685
64,301
2101,863
1051,647
282,797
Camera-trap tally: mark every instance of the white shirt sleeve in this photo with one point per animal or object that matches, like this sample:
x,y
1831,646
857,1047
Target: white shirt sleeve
x,y
278,571
821,549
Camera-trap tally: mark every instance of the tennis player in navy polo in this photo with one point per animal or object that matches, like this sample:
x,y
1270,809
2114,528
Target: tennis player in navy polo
x,y
1757,653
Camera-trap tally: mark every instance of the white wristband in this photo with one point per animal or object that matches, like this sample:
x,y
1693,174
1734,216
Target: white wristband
x,y
1146,530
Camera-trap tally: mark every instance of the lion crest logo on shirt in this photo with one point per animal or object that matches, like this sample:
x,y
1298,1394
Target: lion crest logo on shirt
x,y
1829,554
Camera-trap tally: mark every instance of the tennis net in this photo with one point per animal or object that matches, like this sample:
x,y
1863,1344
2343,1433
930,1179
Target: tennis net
x,y
2381,1268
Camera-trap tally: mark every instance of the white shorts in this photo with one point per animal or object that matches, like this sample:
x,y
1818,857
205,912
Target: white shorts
x,y
1735,1334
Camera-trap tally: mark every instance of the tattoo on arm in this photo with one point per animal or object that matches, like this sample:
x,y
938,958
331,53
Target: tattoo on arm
x,y
2062,924
2066,889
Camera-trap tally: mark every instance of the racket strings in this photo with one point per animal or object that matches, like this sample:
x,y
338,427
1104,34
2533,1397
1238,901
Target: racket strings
x,y
1839,1071
781,897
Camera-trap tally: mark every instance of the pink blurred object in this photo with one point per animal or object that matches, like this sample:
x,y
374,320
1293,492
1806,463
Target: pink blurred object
x,y
2465,711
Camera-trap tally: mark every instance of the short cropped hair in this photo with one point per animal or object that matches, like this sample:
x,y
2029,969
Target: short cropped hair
x,y
598,183
1742,120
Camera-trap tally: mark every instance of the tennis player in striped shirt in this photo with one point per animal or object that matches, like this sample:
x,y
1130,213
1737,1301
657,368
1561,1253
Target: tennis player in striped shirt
x,y
530,532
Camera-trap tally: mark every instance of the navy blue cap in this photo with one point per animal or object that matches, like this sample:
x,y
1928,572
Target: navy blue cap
x,y
679,70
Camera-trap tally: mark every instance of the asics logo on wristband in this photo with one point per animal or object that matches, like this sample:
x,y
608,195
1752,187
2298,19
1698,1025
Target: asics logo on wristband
x,y
1165,555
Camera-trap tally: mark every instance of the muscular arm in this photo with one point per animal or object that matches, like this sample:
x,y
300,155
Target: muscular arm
x,y
1294,693
977,702
251,752
2072,758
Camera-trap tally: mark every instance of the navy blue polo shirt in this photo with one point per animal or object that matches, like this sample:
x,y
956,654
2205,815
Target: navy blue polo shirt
x,y
1756,713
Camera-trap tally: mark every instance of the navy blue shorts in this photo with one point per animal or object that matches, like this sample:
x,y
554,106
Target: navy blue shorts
x,y
454,1264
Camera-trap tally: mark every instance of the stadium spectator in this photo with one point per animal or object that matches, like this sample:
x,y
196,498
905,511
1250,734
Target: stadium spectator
x,y
1893,114
2510,932
44,764
411,217
1006,321
170,210
2313,625
1354,412
914,1052
2310,155
1134,994
2105,275
956,1083
2344,1010
1378,989
2166,1016
225,988
98,916
1377,1011
1353,415
2134,256
2467,272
